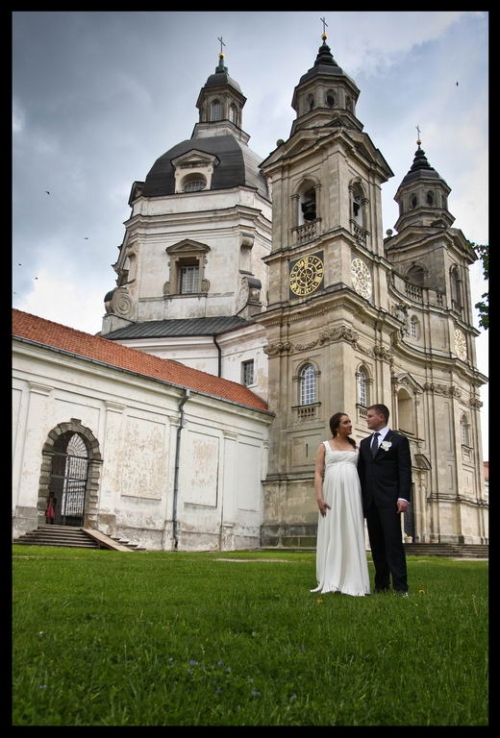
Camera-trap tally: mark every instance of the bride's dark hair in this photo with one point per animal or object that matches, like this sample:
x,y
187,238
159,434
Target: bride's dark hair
x,y
334,425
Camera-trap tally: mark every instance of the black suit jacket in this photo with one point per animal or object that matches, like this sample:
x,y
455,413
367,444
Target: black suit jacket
x,y
387,476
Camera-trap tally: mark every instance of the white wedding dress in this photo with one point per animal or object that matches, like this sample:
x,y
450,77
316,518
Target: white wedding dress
x,y
341,563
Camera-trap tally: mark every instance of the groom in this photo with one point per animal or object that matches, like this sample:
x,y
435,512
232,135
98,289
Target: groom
x,y
384,467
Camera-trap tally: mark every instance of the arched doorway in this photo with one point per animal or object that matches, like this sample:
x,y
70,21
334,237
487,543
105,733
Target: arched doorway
x,y
68,479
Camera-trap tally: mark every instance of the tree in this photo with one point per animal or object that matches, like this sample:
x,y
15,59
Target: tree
x,y
483,306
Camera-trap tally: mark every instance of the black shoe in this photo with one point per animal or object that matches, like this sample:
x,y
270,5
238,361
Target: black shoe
x,y
381,591
401,593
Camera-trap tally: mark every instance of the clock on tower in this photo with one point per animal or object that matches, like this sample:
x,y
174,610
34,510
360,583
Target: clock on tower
x,y
306,275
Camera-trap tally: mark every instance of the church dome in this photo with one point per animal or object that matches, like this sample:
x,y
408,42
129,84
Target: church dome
x,y
222,78
219,134
325,64
238,166
420,169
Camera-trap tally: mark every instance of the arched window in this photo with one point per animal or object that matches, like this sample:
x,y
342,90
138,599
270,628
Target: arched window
x,y
357,204
464,431
330,99
430,198
414,201
414,327
310,102
456,297
216,110
194,183
233,113
415,274
405,412
307,385
308,205
362,387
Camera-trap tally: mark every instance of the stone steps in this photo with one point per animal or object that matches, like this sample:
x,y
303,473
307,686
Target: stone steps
x,y
451,550
71,537
57,535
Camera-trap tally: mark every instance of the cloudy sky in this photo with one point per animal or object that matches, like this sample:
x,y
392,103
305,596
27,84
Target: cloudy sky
x,y
99,96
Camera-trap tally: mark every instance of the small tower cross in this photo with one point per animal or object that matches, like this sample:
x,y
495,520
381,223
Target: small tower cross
x,y
418,134
219,38
325,25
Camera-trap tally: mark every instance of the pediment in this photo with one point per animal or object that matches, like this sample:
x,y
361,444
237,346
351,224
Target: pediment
x,y
297,147
404,379
369,152
187,245
287,149
305,138
194,159
415,235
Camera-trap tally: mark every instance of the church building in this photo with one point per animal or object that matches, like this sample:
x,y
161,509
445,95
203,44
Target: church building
x,y
276,275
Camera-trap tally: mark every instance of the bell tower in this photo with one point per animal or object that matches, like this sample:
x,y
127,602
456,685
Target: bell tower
x,y
328,305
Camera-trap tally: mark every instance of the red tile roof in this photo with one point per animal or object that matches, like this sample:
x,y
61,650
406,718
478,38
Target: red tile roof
x,y
54,335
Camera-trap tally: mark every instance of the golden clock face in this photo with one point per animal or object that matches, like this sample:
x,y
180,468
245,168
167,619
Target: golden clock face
x,y
361,278
306,275
460,344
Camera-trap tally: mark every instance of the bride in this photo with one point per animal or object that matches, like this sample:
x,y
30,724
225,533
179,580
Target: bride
x,y
341,563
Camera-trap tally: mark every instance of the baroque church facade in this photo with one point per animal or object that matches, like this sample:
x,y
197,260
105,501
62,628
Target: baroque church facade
x,y
276,275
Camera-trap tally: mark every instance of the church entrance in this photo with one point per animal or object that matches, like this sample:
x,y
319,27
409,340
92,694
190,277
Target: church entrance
x,y
68,481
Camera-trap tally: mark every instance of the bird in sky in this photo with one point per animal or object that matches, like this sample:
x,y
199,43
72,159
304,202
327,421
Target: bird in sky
x,y
48,193
456,84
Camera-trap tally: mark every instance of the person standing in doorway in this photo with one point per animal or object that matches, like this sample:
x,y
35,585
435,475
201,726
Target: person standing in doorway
x,y
50,512
341,561
384,467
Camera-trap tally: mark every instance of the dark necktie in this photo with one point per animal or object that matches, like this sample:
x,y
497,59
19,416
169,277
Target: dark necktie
x,y
375,443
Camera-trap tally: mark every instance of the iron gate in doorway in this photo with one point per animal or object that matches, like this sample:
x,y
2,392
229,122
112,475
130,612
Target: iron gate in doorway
x,y
68,479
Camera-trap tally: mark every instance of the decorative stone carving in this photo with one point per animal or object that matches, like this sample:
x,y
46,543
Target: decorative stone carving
x,y
249,293
396,337
460,344
365,350
121,304
381,352
247,240
338,333
278,348
400,311
305,346
442,389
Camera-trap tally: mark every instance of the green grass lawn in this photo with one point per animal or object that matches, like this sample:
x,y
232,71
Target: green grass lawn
x,y
236,638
